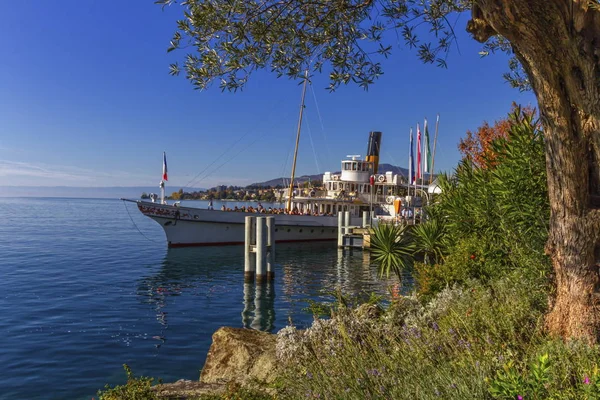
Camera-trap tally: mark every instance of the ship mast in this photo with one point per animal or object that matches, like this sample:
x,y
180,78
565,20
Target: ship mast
x,y
289,204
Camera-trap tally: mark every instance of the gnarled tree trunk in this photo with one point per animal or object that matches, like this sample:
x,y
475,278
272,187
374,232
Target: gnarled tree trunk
x,y
558,43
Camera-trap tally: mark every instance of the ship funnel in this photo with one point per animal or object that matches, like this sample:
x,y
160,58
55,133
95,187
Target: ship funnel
x,y
373,149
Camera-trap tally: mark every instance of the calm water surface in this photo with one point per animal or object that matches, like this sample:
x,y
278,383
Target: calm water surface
x,y
83,291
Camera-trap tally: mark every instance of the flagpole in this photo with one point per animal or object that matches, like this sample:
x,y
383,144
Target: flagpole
x,y
437,122
162,181
417,173
423,155
410,161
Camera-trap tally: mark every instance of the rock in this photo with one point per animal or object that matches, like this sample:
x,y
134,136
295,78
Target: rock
x,y
237,356
183,389
244,356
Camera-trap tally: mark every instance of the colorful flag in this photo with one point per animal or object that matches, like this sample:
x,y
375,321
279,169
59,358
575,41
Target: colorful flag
x,y
426,151
411,162
419,172
165,176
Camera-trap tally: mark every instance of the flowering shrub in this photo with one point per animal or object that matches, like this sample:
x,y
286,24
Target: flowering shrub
x,y
472,341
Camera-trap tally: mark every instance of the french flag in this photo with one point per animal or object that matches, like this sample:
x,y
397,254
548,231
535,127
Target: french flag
x,y
165,175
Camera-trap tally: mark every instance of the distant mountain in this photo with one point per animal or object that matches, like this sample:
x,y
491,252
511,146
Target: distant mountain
x,y
115,192
383,168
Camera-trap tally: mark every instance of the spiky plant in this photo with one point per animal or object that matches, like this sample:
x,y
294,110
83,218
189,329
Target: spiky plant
x,y
430,238
393,248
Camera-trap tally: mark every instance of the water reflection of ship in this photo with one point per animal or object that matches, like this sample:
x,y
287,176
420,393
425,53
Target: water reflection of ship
x,y
259,306
350,271
193,269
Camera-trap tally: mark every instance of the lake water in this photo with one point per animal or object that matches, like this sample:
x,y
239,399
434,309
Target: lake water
x,y
83,291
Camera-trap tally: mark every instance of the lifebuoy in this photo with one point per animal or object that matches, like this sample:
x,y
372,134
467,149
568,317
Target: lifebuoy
x,y
381,178
389,199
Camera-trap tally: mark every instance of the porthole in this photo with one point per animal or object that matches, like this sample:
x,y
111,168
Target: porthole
x,y
289,229
300,230
276,230
322,230
196,217
312,231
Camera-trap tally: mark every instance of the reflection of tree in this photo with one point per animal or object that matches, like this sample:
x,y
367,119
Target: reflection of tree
x,y
259,306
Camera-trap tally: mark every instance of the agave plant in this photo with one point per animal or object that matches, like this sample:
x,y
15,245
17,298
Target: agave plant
x,y
430,237
392,247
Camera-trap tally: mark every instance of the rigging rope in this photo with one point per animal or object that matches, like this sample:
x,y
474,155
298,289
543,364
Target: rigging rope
x,y
313,146
195,180
321,122
136,227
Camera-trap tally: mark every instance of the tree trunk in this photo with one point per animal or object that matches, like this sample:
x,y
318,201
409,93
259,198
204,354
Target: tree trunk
x,y
558,43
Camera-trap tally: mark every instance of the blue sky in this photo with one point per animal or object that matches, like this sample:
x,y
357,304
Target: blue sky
x,y
86,100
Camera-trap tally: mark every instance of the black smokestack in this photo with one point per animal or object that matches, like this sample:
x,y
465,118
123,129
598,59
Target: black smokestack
x,y
373,149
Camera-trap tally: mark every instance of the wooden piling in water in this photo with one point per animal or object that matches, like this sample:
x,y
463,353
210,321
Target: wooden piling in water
x,y
271,248
259,249
340,229
249,255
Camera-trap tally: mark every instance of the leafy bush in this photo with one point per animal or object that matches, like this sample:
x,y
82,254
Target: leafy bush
x,y
495,219
134,389
446,348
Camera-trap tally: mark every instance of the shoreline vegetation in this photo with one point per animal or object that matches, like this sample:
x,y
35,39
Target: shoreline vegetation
x,y
474,325
268,194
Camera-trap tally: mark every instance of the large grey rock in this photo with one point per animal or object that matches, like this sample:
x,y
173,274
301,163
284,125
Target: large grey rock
x,y
240,355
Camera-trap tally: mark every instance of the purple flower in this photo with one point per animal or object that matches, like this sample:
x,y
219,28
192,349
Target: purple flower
x,y
586,380
519,397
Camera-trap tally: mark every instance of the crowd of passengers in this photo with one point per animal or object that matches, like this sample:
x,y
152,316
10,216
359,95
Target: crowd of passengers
x,y
262,210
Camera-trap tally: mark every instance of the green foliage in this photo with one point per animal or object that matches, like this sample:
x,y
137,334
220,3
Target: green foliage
x,y
431,237
493,220
134,389
231,39
511,384
392,247
450,348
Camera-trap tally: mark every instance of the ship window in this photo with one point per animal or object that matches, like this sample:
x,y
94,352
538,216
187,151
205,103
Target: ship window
x,y
353,166
334,186
346,166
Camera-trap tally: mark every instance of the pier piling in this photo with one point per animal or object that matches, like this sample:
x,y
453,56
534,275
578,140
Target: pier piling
x,y
259,249
340,229
249,255
271,247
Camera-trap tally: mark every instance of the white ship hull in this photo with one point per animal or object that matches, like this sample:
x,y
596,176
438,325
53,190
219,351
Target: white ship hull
x,y
188,226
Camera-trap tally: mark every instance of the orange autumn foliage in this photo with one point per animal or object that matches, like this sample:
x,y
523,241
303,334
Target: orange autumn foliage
x,y
477,146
